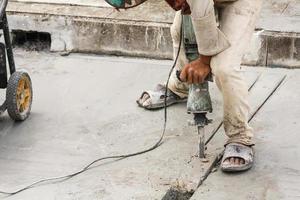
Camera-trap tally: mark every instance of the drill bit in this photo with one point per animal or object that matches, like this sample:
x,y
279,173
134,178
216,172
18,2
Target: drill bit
x,y
201,133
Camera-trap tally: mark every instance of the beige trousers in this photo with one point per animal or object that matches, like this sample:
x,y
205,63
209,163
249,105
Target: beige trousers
x,y
237,21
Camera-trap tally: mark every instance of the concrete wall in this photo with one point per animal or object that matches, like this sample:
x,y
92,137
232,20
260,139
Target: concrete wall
x,y
78,29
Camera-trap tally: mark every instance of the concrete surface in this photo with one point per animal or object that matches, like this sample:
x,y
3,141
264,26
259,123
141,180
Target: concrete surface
x,y
84,108
275,174
89,26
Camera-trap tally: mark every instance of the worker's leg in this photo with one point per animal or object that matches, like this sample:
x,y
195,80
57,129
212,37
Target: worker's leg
x,y
179,90
176,86
237,22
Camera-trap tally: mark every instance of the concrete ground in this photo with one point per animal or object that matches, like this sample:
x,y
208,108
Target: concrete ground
x,y
276,172
84,108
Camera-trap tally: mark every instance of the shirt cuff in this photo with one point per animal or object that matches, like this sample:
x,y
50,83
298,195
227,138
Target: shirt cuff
x,y
210,39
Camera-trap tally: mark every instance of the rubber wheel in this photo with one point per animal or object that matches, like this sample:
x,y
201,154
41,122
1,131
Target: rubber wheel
x,y
19,96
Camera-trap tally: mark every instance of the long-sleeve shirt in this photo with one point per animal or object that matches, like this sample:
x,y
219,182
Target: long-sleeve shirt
x,y
210,39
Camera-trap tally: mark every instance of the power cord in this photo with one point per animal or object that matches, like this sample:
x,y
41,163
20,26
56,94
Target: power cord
x,y
87,167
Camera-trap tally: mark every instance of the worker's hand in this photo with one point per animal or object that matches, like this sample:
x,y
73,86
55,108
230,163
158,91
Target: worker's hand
x,y
196,71
180,5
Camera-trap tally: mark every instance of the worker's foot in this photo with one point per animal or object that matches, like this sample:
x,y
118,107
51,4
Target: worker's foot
x,y
237,157
155,99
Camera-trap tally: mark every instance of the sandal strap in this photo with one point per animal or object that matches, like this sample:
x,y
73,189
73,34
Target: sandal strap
x,y
236,150
155,96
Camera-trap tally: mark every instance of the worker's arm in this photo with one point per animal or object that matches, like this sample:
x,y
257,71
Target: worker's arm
x,y
211,41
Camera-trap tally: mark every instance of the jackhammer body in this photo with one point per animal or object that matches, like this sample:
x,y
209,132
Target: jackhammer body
x,y
199,101
199,104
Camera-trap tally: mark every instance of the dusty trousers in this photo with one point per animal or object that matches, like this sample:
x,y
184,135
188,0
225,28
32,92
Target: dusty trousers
x,y
227,44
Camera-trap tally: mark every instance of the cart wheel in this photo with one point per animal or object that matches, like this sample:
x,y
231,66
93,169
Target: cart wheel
x,y
19,96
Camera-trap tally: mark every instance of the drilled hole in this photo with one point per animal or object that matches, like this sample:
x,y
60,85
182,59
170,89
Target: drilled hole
x,y
31,40
176,193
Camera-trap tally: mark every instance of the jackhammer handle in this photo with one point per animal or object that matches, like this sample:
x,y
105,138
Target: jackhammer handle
x,y
178,72
208,78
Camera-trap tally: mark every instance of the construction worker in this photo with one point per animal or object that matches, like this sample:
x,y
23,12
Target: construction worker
x,y
220,48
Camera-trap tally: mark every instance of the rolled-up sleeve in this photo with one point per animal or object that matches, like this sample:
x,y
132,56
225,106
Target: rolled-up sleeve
x,y
210,39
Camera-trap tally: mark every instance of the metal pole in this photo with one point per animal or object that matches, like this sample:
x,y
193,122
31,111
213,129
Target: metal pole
x,y
8,45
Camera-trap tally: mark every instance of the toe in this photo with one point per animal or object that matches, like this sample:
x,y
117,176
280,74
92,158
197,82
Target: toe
x,y
147,102
227,161
236,161
231,160
144,98
242,161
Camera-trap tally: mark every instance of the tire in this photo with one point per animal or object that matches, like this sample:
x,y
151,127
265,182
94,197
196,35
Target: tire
x,y
19,96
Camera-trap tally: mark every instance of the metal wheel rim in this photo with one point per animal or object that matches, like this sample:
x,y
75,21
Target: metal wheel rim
x,y
24,94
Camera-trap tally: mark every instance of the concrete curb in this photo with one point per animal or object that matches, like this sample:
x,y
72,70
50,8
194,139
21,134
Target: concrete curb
x,y
274,49
101,30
